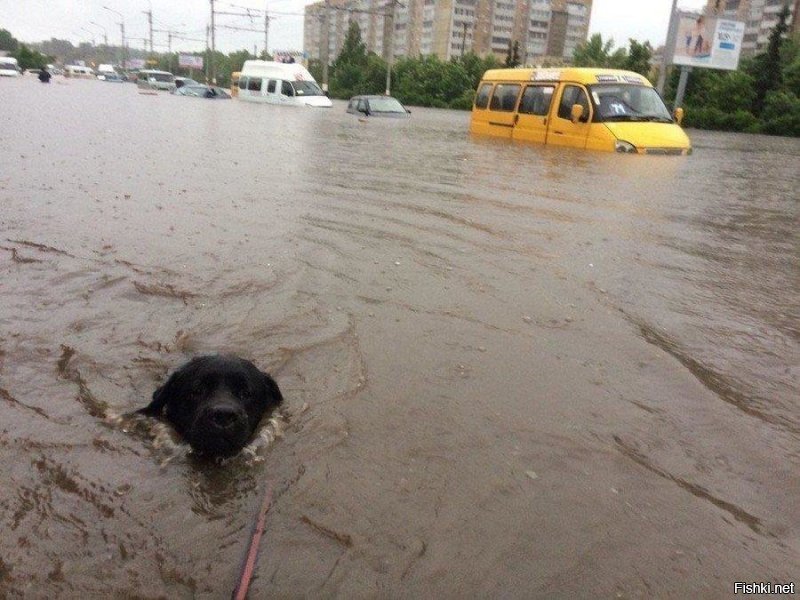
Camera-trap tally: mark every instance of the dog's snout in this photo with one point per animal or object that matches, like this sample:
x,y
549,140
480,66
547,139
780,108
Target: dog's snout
x,y
224,417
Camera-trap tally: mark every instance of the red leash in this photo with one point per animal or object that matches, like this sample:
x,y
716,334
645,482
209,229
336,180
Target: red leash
x,y
240,593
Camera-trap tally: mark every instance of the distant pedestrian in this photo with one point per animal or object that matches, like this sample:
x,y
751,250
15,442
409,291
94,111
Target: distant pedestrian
x,y
44,75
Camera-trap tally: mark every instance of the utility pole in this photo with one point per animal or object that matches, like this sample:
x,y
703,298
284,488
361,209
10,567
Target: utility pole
x,y
149,14
669,48
122,30
266,31
464,40
211,73
390,54
326,49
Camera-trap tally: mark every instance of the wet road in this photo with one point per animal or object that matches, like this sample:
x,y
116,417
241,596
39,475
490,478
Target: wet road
x,y
510,371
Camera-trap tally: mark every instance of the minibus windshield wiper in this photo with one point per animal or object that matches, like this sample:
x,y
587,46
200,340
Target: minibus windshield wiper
x,y
621,118
657,119
638,118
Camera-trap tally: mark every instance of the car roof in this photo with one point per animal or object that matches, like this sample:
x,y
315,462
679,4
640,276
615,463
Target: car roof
x,y
574,74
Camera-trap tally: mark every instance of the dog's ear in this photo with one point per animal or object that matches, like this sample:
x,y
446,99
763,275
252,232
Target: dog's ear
x,y
162,395
156,407
274,396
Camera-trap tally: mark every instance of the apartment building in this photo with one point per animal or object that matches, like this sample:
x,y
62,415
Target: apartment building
x,y
546,30
759,17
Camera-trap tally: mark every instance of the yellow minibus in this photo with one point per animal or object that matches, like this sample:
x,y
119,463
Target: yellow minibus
x,y
597,109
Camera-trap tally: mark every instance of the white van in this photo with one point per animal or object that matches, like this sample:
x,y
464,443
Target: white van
x,y
280,83
9,67
150,79
78,72
105,69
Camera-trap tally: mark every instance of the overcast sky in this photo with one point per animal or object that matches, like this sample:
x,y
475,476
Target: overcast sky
x,y
35,20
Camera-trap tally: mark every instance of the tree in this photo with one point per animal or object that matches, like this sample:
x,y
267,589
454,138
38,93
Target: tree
x,y
769,67
597,53
513,58
348,72
354,51
30,59
638,58
7,41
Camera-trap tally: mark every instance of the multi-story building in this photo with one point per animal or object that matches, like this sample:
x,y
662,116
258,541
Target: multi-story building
x,y
544,29
759,17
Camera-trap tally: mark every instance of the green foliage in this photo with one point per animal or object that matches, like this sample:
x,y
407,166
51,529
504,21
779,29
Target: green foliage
x,y
781,114
355,71
513,58
768,77
30,59
428,81
475,66
638,58
597,53
7,41
719,119
723,90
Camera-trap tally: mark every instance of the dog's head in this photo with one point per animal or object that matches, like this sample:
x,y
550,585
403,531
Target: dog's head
x,y
216,402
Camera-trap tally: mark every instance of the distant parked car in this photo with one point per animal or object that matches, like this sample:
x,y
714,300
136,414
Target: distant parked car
x,y
113,77
182,81
377,106
203,91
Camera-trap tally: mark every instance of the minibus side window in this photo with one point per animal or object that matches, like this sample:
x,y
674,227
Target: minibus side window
x,y
271,86
287,89
243,83
536,100
254,84
482,98
573,95
504,97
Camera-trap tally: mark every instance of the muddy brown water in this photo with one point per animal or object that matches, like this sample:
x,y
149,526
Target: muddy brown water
x,y
510,371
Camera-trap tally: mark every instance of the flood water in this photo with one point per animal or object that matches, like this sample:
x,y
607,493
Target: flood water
x,y
510,371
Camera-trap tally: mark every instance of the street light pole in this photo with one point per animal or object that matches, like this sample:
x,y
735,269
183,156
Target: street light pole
x,y
91,34
149,14
105,32
390,44
122,30
326,50
211,71
669,48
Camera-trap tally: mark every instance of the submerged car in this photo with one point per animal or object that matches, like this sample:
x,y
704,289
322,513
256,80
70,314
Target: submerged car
x,y
113,78
203,91
377,106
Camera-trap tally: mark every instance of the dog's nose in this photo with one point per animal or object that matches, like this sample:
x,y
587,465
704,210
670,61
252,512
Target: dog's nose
x,y
223,417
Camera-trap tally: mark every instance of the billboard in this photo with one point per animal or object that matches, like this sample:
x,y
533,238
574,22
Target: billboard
x,y
134,63
705,41
190,61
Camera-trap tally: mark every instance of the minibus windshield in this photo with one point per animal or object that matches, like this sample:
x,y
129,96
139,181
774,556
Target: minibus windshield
x,y
623,102
307,88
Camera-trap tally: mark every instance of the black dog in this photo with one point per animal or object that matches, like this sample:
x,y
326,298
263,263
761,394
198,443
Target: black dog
x,y
215,402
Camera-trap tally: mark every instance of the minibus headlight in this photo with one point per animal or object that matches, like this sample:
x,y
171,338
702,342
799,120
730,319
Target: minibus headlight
x,y
622,146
